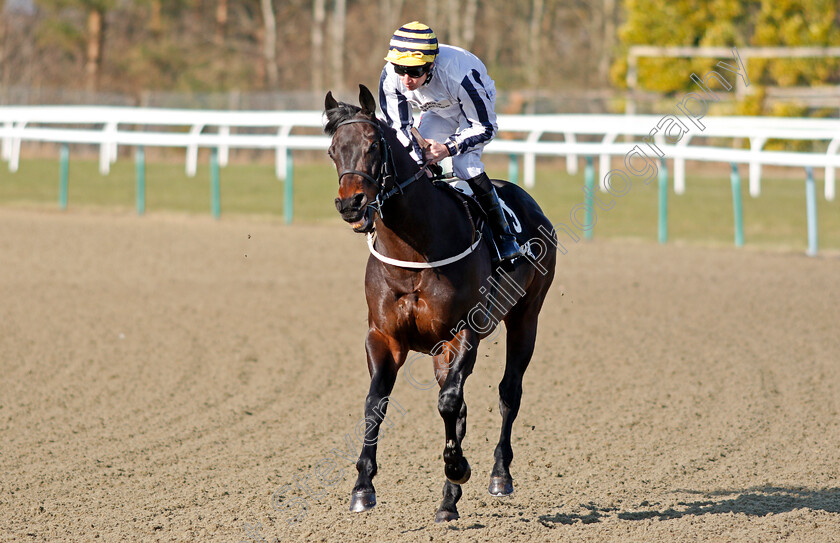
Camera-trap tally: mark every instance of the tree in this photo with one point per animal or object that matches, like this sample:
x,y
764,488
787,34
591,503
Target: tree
x,y
3,24
319,16
796,23
93,34
726,23
156,18
270,43
683,22
221,21
609,25
93,57
534,43
217,45
339,25
468,28
389,16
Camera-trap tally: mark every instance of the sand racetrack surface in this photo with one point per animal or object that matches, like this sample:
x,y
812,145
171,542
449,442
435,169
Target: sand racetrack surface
x,y
162,378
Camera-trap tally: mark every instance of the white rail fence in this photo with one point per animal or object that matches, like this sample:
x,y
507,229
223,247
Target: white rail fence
x,y
110,127
676,136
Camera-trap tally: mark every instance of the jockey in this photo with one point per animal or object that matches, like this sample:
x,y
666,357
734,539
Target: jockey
x,y
457,98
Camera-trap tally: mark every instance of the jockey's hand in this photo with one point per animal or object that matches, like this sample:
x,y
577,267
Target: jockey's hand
x,y
436,152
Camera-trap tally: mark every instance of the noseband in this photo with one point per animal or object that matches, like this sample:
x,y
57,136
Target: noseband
x,y
386,169
379,181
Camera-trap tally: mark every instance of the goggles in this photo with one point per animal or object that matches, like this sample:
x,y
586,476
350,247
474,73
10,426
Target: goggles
x,y
412,71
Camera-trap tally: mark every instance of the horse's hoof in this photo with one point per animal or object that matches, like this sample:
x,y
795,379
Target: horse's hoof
x,y
460,474
362,500
500,486
446,516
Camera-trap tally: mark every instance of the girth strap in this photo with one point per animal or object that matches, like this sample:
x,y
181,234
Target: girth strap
x,y
419,265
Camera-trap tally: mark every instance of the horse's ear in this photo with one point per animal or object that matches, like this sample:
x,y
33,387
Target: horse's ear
x,y
366,100
330,102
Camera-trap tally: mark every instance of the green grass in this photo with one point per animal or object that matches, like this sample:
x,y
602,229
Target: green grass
x,y
702,215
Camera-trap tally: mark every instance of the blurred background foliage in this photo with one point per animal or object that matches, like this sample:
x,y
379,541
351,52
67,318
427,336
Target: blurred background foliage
x,y
545,55
751,23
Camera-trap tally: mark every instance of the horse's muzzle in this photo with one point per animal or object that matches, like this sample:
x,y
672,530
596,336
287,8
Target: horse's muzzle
x,y
355,211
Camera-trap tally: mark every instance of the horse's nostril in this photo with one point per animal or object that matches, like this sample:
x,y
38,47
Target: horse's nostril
x,y
353,204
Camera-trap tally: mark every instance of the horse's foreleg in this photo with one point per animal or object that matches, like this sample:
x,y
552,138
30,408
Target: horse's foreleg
x,y
383,373
452,492
521,336
452,369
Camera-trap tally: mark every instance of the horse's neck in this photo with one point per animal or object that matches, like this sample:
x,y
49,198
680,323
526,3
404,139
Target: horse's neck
x,y
422,223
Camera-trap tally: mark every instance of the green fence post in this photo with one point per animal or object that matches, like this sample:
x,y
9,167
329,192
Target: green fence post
x,y
663,201
288,189
736,206
63,176
513,169
215,190
140,169
589,184
811,210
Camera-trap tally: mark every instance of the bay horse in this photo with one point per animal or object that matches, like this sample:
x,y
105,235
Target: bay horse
x,y
428,285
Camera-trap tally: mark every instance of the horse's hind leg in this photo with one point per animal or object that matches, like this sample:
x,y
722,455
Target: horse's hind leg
x,y
521,335
383,373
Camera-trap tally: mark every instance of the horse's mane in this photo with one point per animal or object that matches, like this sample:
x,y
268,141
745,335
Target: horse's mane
x,y
337,115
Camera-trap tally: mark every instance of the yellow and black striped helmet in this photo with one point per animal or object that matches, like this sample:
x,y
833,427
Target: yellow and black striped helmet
x,y
414,44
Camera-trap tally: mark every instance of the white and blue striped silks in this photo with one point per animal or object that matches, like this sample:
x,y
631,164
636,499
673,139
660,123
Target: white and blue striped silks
x,y
457,108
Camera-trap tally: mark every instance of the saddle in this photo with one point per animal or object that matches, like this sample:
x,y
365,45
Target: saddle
x,y
461,191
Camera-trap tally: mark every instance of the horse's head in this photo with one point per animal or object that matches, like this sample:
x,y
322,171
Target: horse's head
x,y
358,151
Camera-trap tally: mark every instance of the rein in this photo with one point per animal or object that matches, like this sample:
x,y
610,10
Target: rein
x,y
388,170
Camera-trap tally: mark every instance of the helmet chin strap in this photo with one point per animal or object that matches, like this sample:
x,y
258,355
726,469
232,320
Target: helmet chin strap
x,y
430,74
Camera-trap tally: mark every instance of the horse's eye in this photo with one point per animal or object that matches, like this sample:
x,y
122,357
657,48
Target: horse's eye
x,y
374,146
330,152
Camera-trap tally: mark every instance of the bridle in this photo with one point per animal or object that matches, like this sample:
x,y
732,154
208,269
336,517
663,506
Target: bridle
x,y
386,169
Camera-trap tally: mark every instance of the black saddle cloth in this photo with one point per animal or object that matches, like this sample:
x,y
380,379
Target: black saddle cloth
x,y
475,213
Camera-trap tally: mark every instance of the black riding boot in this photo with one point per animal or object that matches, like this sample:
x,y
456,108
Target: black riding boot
x,y
489,201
